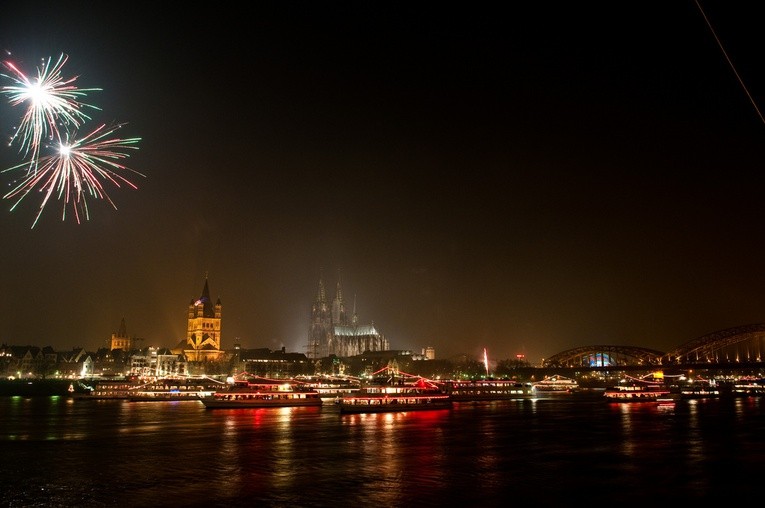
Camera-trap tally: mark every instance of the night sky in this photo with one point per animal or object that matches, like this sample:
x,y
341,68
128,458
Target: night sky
x,y
526,179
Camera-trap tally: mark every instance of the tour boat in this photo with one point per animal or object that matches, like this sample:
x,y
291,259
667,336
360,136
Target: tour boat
x,y
699,392
110,390
638,393
248,391
151,389
749,387
556,384
700,389
486,389
330,387
642,390
396,394
169,390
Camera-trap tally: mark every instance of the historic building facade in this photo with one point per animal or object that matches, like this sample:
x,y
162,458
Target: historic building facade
x,y
121,340
332,333
203,331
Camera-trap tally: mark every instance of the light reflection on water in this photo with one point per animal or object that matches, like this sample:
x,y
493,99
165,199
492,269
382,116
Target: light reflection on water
x,y
66,452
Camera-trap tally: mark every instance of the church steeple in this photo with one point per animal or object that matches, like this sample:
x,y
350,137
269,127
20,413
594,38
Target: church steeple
x,y
120,340
205,302
203,339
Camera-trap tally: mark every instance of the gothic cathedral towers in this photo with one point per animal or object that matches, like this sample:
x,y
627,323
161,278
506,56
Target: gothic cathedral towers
x,y
203,333
331,333
320,332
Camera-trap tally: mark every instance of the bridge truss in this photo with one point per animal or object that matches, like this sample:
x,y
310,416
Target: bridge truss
x,y
733,345
742,344
604,356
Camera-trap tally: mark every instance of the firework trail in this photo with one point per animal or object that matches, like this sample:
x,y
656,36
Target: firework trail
x,y
52,103
77,170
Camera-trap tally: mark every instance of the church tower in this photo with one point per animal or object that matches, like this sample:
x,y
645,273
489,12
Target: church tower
x,y
120,340
203,333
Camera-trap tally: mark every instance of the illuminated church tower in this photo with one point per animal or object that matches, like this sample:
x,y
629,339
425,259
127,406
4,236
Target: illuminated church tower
x,y
203,333
121,340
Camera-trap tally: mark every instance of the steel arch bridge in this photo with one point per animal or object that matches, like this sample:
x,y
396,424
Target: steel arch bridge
x,y
604,356
733,345
739,344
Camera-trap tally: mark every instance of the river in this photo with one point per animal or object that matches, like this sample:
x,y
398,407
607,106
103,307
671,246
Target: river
x,y
65,452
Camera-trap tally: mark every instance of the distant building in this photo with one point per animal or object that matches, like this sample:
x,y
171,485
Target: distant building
x,y
429,353
203,331
274,364
332,333
156,362
121,340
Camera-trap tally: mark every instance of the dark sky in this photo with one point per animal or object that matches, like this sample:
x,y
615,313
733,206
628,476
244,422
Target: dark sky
x,y
526,179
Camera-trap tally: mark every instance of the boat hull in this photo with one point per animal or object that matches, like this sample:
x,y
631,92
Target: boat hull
x,y
639,396
213,403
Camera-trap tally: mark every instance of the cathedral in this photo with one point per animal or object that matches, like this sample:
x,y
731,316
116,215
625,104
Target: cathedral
x,y
332,333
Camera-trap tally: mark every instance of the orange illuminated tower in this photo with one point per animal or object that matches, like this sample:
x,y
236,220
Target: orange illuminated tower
x,y
121,340
204,325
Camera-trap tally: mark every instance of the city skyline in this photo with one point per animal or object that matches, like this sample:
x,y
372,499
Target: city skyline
x,y
524,180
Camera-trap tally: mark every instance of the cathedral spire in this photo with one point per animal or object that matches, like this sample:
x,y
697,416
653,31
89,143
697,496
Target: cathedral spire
x,y
321,297
339,294
338,305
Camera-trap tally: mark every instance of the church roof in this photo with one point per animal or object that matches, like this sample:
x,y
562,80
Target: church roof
x,y
356,331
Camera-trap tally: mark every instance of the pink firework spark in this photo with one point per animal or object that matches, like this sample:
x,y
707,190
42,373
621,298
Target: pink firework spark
x,y
78,170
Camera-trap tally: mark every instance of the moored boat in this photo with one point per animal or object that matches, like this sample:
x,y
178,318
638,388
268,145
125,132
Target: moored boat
x,y
486,389
749,387
637,393
119,389
170,390
330,387
399,392
151,389
249,391
556,384
641,390
700,388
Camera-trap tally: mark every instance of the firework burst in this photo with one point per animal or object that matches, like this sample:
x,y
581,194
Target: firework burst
x,y
77,170
52,103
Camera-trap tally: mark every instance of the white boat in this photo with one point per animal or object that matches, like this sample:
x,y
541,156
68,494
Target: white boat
x,y
650,388
152,389
330,387
397,393
700,389
486,389
749,387
171,390
639,392
112,389
258,392
556,384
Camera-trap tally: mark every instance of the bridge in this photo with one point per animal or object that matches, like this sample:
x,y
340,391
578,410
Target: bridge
x,y
738,345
